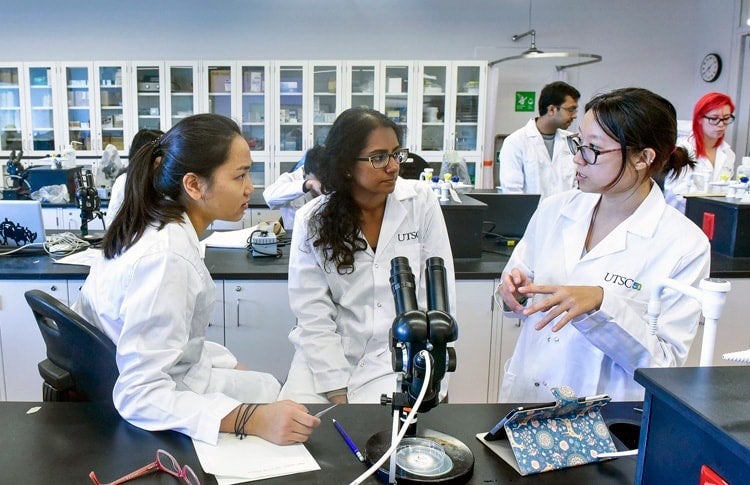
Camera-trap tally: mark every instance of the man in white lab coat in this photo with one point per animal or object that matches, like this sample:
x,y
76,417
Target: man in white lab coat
x,y
535,159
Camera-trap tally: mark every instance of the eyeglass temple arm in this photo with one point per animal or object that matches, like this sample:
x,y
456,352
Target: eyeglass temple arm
x,y
151,467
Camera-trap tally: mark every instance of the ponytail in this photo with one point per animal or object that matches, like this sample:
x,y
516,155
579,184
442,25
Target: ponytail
x,y
154,194
677,162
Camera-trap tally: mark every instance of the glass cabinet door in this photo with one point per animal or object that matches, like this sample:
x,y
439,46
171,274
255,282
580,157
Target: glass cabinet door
x,y
110,84
433,105
290,90
362,86
219,81
148,97
182,92
42,98
10,109
326,84
78,106
396,98
468,82
254,114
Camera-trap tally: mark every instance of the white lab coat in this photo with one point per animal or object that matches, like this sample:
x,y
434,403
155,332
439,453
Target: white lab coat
x,y
154,301
341,336
526,167
116,197
287,195
599,352
722,169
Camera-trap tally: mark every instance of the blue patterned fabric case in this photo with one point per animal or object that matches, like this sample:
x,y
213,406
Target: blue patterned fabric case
x,y
568,432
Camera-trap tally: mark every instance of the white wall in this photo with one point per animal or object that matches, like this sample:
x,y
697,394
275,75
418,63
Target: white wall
x,y
653,44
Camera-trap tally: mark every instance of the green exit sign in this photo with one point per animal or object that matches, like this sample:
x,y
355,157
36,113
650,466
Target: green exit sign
x,y
525,100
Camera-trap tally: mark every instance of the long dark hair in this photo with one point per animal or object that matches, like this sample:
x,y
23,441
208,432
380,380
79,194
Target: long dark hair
x,y
640,119
154,194
335,227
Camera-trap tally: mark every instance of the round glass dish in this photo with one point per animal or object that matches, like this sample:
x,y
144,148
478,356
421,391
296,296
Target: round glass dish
x,y
422,457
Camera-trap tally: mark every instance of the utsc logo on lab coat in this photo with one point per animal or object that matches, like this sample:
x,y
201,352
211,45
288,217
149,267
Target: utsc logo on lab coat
x,y
623,281
408,236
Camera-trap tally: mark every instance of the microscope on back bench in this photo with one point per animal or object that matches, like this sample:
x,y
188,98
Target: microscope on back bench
x,y
87,199
19,185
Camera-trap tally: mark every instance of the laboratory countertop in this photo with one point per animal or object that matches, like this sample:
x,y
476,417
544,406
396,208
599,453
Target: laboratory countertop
x,y
238,264
37,447
233,264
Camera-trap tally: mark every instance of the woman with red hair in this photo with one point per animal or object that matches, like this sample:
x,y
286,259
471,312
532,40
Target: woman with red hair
x,y
706,145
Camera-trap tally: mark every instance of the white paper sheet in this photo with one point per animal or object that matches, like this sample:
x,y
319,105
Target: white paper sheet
x,y
234,460
229,239
82,258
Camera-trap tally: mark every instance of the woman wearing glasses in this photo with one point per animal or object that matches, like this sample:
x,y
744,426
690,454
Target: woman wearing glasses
x,y
582,275
705,144
339,264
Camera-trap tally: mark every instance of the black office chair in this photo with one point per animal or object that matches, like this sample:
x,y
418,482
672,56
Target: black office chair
x,y
80,364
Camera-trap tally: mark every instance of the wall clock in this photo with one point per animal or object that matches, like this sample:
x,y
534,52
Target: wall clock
x,y
711,67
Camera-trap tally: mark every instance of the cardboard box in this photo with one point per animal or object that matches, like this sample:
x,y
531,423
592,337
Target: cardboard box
x,y
220,81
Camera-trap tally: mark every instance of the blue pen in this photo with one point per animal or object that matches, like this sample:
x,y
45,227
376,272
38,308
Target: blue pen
x,y
349,441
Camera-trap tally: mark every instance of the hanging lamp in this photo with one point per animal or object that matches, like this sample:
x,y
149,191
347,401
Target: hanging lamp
x,y
534,53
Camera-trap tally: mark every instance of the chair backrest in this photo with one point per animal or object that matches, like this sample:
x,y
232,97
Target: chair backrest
x,y
76,346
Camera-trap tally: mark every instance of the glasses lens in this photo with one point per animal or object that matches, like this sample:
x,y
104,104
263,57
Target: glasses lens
x,y
190,476
588,154
168,463
379,161
573,145
402,156
728,120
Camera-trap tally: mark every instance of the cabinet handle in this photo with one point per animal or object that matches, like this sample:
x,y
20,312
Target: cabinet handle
x,y
238,313
53,288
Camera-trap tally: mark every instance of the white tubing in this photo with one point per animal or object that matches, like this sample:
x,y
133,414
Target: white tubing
x,y
404,428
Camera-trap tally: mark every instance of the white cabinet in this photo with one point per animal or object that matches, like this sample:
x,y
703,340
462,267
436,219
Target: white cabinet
x,y
12,112
396,98
68,219
257,323
21,343
450,107
41,133
470,382
308,97
114,110
164,93
362,84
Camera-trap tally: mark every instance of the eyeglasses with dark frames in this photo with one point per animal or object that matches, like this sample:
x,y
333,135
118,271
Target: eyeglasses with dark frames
x,y
164,462
381,160
588,153
716,121
569,109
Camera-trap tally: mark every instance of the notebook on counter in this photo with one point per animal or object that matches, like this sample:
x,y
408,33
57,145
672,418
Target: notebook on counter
x,y
21,223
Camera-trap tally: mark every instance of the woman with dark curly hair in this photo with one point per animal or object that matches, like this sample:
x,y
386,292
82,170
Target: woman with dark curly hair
x,y
339,265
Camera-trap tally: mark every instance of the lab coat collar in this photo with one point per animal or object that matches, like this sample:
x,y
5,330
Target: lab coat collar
x,y
395,210
643,223
187,226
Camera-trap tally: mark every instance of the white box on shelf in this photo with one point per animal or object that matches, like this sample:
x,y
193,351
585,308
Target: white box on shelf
x,y
394,85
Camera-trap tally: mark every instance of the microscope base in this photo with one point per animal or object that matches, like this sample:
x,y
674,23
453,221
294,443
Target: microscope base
x,y
459,453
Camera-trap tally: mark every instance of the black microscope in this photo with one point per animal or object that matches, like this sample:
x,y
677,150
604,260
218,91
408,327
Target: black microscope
x,y
87,199
417,337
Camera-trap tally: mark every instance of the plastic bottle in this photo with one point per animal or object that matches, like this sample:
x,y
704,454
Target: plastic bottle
x,y
744,169
69,156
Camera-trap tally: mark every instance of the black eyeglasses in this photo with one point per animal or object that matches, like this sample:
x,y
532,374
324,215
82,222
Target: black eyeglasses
x,y
381,159
569,109
716,121
588,153
164,462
